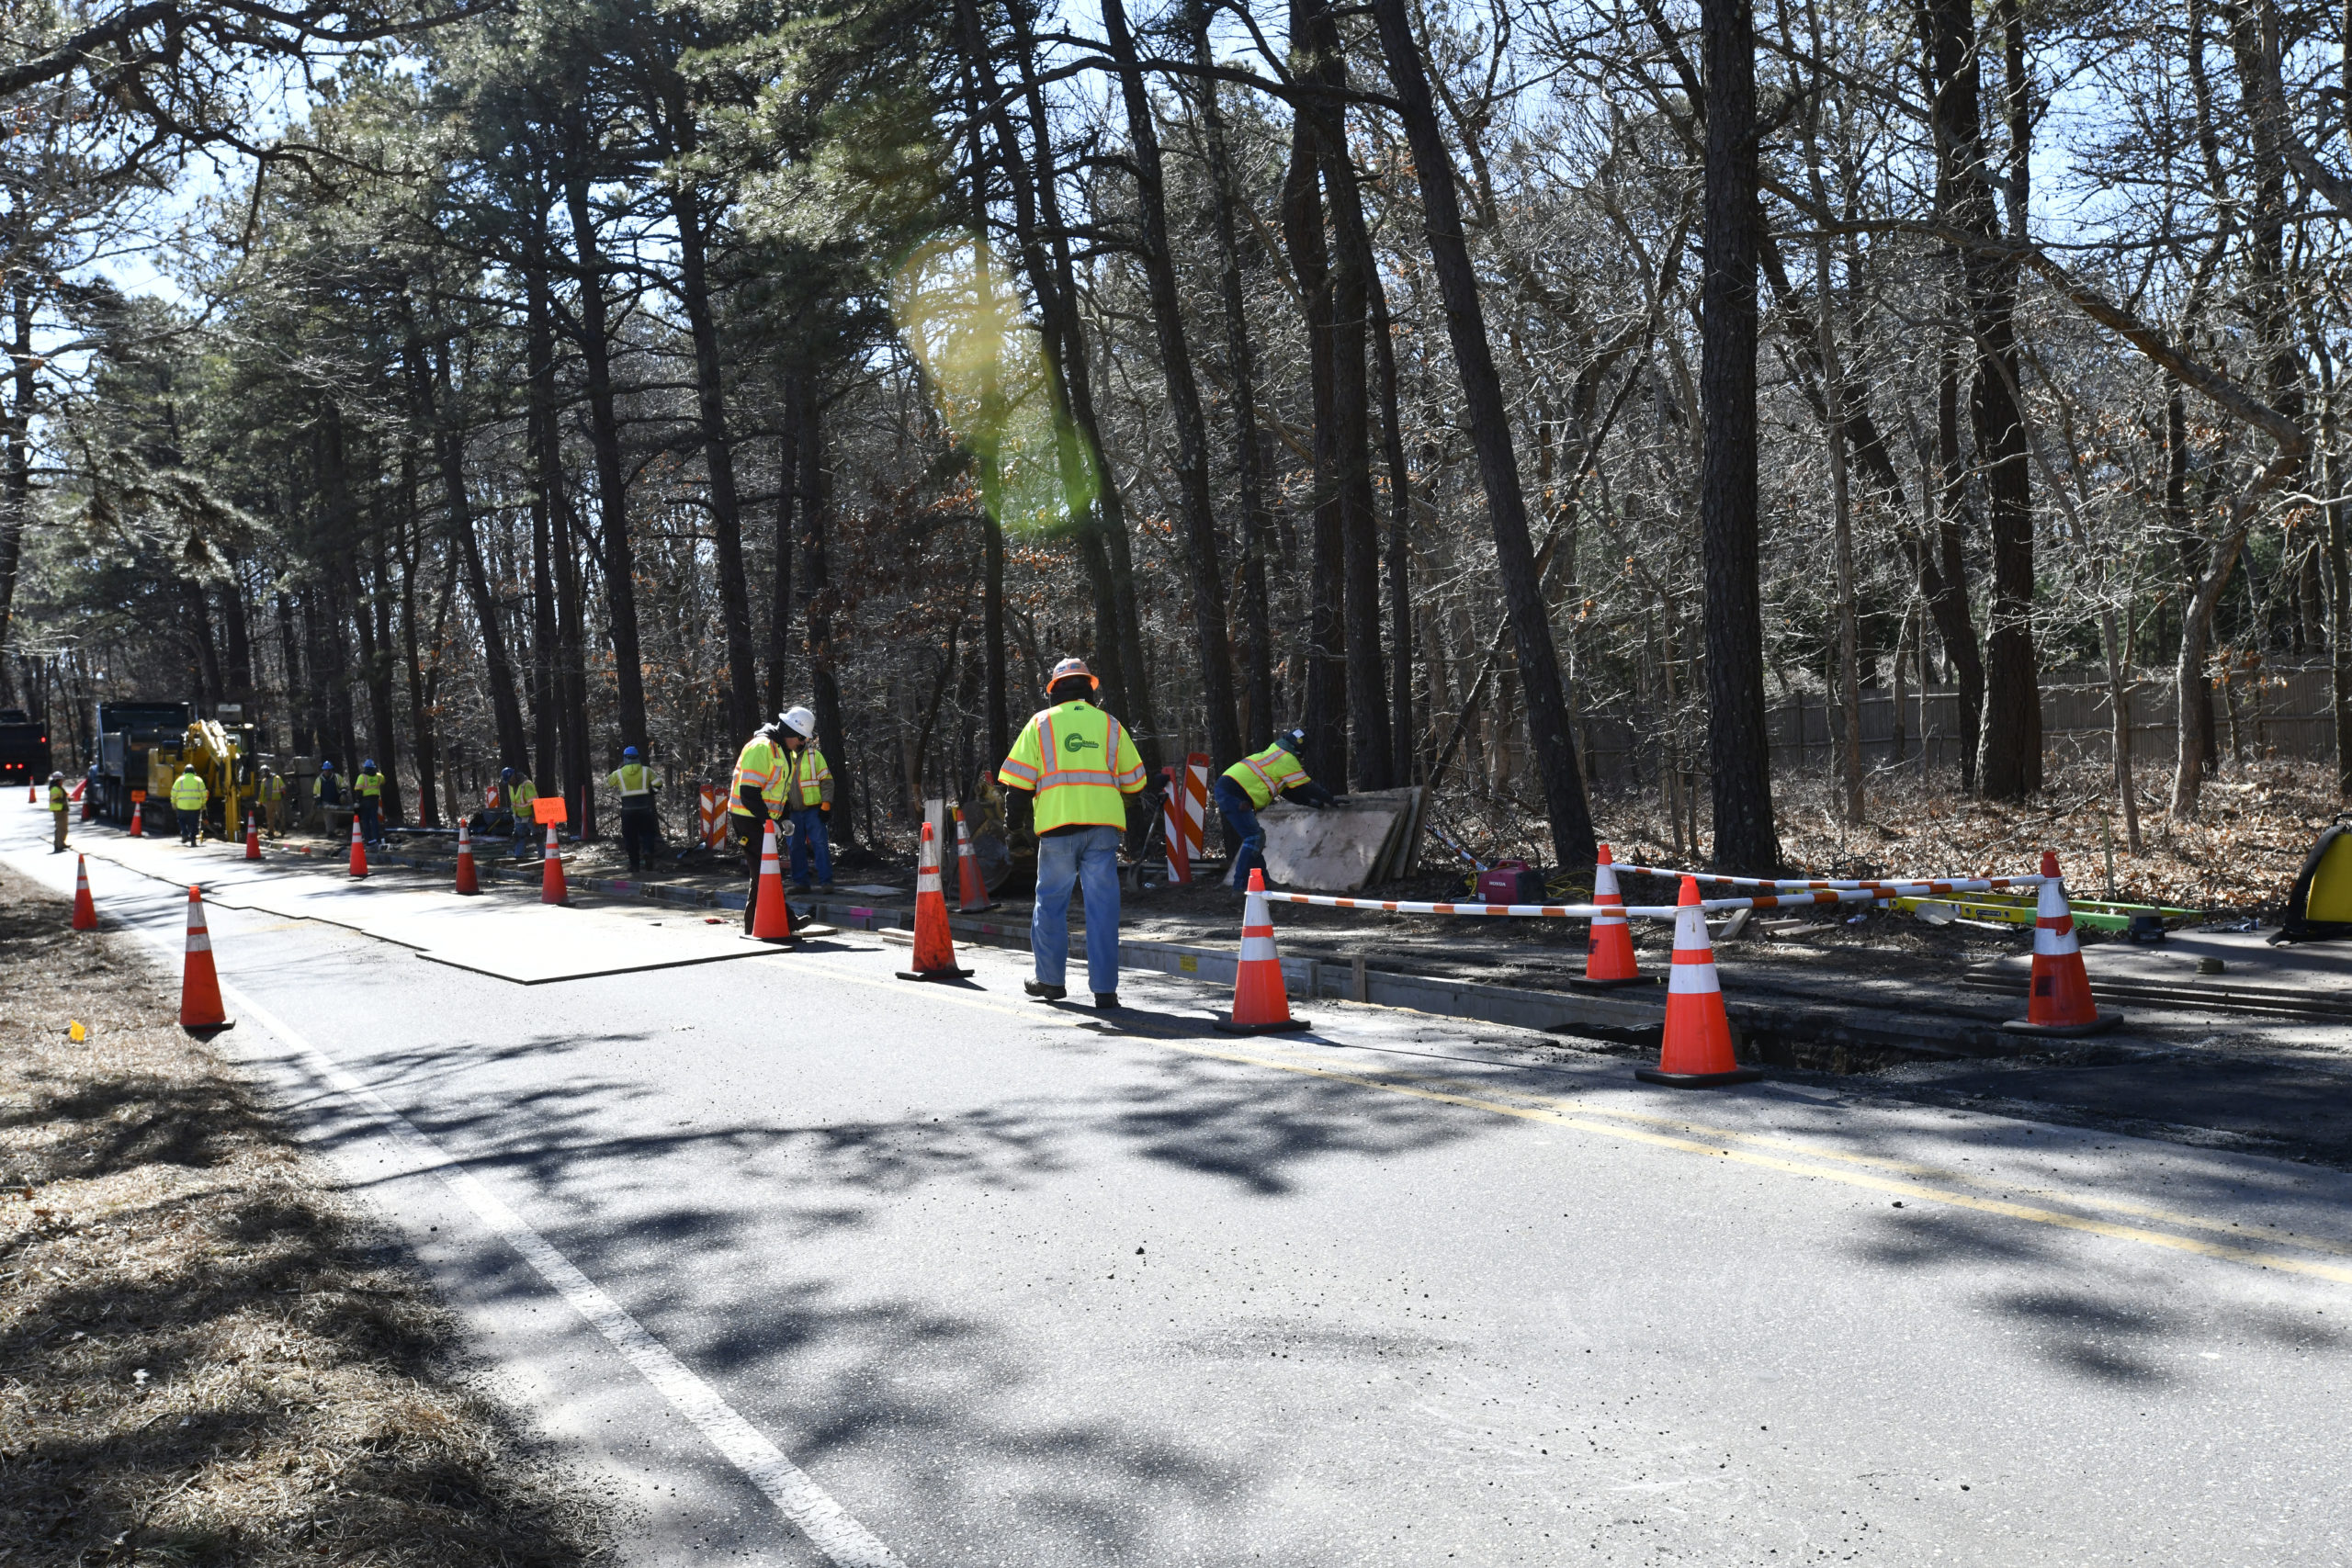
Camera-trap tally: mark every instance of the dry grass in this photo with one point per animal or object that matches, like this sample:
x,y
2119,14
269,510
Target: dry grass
x,y
206,1355
2259,820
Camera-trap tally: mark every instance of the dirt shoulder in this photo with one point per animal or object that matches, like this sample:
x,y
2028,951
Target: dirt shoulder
x,y
207,1355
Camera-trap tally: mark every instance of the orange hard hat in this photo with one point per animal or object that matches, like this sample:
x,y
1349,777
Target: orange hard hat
x,y
1068,668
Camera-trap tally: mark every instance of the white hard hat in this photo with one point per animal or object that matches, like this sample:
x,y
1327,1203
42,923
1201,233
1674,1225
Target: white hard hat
x,y
801,721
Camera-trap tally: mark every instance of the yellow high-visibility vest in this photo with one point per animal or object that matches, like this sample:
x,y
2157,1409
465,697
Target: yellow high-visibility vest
x,y
631,780
519,798
1265,774
806,775
58,797
273,789
1080,763
370,784
758,765
188,792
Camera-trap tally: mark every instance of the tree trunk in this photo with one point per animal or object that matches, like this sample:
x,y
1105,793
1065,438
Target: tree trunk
x,y
1258,688
1323,714
1400,545
424,740
787,466
825,692
545,489
1203,557
1485,417
1739,744
15,464
612,497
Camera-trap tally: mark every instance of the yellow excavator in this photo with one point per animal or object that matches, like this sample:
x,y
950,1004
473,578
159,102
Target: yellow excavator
x,y
223,757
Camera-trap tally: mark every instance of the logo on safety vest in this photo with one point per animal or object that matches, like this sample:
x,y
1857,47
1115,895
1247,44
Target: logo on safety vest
x,y
1080,744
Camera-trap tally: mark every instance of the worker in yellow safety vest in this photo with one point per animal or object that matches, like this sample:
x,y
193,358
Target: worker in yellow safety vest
x,y
273,801
1080,766
368,792
57,802
756,800
188,797
520,794
808,795
1250,785
641,817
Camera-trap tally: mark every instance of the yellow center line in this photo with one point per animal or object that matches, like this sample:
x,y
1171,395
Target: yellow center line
x,y
1569,1114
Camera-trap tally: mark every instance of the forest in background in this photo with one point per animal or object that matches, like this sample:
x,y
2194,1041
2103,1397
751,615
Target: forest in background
x,y
567,374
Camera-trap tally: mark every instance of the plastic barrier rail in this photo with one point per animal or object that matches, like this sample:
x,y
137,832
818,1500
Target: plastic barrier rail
x,y
1925,887
1587,911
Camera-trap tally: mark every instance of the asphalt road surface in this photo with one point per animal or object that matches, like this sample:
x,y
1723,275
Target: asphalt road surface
x,y
806,1265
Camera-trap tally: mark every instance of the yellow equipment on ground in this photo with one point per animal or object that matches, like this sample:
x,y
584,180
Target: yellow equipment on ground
x,y
2320,906
220,755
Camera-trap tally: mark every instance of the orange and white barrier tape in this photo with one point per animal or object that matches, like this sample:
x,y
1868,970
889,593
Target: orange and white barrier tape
x,y
1592,911
1912,887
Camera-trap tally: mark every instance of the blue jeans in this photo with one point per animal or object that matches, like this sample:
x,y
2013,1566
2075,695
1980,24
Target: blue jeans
x,y
807,839
1233,805
371,830
1089,858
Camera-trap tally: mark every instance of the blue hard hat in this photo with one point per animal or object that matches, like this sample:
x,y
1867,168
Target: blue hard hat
x,y
367,765
628,752
506,773
327,766
1291,740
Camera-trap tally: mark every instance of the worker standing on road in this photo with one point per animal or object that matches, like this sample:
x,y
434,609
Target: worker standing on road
x,y
273,801
755,799
640,818
522,794
1250,785
808,795
1081,766
329,792
368,792
188,798
57,799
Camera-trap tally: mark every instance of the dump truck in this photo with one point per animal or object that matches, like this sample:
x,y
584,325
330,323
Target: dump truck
x,y
142,746
24,747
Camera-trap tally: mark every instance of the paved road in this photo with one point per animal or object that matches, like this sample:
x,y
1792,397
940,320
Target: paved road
x,y
1018,1285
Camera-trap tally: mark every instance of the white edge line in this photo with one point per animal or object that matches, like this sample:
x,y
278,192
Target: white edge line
x,y
829,1527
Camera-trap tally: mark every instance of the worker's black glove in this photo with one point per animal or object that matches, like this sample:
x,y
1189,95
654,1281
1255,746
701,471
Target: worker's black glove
x,y
825,808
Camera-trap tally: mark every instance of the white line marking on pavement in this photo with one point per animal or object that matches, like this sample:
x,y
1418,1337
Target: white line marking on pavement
x,y
828,1526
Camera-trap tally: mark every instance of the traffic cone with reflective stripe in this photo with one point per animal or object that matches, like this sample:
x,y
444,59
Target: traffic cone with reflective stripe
x,y
135,808
934,943
85,914
358,849
253,836
974,890
1608,951
2060,1003
553,889
1696,1052
200,1009
467,880
771,914
1260,1006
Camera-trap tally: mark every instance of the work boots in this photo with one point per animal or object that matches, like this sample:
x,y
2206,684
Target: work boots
x,y
1044,992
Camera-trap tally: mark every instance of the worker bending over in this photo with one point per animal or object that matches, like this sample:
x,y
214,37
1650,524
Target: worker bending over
x,y
368,792
1080,765
522,794
755,800
188,798
1250,785
808,795
640,818
57,799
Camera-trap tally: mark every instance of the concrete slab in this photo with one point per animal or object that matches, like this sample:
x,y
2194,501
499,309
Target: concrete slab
x,y
1336,849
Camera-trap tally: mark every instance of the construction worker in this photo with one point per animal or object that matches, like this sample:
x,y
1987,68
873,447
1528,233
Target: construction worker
x,y
368,794
57,802
520,794
328,793
808,797
640,818
755,799
274,800
188,798
1080,766
1249,786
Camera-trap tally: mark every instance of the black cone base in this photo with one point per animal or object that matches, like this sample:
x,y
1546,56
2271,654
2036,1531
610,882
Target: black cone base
x,y
1225,1025
1579,982
2099,1026
1697,1080
978,908
934,974
207,1030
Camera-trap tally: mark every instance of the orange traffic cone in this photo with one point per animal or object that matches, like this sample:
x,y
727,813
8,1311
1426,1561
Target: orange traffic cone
x,y
200,1009
1696,1052
553,889
935,944
358,850
253,836
135,808
1609,952
85,914
467,880
2060,1003
973,892
1261,1005
32,791
770,915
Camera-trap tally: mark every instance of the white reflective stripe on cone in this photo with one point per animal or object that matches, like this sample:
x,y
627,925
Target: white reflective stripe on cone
x,y
1256,949
198,942
927,881
2049,943
1692,980
1690,929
